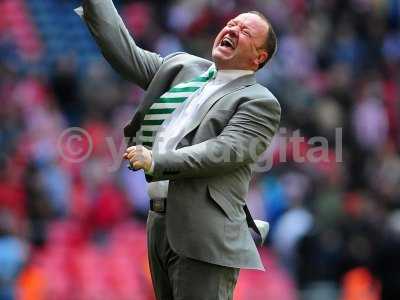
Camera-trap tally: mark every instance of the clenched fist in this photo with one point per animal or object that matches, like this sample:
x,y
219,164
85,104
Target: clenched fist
x,y
139,157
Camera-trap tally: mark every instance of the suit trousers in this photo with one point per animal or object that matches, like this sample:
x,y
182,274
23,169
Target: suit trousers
x,y
176,277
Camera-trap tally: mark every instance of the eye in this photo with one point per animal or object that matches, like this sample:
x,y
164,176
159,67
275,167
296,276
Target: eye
x,y
246,32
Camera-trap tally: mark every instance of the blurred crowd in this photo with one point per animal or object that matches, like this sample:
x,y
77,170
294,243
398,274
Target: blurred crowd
x,y
75,228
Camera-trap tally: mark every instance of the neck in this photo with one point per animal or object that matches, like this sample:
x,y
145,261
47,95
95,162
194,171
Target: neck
x,y
223,66
233,69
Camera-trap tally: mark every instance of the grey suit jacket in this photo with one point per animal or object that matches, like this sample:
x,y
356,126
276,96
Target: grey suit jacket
x,y
210,171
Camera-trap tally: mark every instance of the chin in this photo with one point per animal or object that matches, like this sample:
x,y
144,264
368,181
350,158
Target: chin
x,y
219,62
215,53
221,57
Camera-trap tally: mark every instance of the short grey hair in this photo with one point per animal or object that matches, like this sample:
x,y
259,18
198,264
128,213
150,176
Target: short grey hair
x,y
271,41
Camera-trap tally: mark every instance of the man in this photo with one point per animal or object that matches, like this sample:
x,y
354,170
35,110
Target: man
x,y
196,134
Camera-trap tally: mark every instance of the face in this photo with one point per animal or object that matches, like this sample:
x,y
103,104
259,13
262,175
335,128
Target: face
x,y
239,45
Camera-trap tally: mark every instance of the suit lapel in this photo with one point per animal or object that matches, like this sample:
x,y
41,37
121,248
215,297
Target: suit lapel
x,y
160,84
229,88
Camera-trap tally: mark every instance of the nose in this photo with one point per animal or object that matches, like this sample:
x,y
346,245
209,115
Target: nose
x,y
234,30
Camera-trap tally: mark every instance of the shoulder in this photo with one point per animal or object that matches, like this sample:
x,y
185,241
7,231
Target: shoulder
x,y
186,60
181,66
259,93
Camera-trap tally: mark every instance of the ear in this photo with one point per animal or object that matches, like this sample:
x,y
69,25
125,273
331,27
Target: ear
x,y
262,57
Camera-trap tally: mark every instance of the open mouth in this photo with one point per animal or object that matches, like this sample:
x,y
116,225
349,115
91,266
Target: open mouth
x,y
227,42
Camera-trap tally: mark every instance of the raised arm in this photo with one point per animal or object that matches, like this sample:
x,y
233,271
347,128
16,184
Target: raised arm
x,y
117,45
247,135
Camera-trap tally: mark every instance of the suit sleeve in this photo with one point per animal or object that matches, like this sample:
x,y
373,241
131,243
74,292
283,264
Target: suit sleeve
x,y
116,44
243,140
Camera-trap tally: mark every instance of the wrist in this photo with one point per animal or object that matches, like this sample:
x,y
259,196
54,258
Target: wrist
x,y
149,165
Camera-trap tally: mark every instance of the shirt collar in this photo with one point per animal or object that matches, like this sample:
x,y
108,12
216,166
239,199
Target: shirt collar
x,y
224,76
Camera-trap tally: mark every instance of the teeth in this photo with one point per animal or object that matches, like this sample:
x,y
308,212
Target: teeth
x,y
227,42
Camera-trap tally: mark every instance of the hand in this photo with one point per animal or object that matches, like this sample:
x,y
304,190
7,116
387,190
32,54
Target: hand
x,y
139,157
